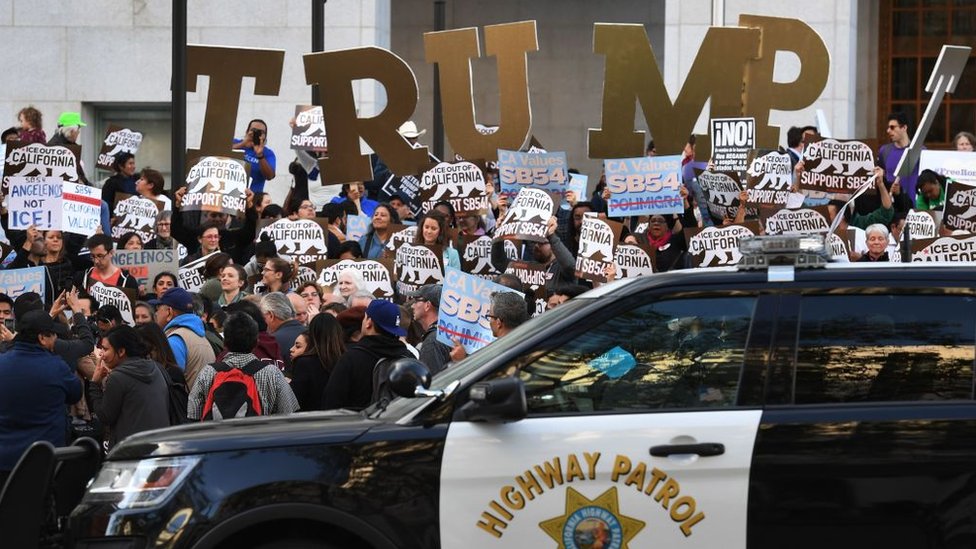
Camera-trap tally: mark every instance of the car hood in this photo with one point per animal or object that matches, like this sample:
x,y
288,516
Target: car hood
x,y
311,428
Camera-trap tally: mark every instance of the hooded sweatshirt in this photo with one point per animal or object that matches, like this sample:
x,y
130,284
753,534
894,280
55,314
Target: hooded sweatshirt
x,y
351,382
135,399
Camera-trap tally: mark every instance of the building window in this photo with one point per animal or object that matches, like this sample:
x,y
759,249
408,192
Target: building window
x,y
155,123
912,33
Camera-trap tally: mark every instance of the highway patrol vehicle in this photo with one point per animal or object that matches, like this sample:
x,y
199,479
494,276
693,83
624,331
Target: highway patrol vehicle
x,y
767,406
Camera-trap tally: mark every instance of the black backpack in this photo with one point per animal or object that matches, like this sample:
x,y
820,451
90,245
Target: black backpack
x,y
234,392
178,398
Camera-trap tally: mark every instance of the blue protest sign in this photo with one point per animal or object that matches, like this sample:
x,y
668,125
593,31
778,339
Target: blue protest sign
x,y
646,185
517,170
15,282
465,302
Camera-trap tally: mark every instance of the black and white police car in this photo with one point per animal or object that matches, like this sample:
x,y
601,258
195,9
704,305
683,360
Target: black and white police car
x,y
753,407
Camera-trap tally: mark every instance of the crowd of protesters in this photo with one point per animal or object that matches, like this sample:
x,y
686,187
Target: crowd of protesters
x,y
71,366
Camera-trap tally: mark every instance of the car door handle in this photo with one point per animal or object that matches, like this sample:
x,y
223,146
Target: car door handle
x,y
705,449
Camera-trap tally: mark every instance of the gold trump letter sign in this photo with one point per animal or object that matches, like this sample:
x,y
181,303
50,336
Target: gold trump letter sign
x,y
334,72
452,50
226,66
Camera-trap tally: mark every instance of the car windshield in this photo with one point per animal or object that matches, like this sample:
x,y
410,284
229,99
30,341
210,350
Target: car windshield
x,y
473,363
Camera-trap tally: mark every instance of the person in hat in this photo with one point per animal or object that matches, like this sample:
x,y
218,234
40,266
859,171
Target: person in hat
x,y
68,133
426,302
35,387
408,130
351,382
184,331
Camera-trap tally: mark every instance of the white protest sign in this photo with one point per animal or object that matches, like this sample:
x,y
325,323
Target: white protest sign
x,y
770,180
136,214
110,295
465,300
376,273
922,224
34,201
216,184
144,265
833,166
597,247
81,209
633,261
461,183
527,216
41,160
577,184
117,140
721,192
475,255
945,249
956,165
417,265
802,221
646,185
717,246
190,276
302,240
308,134
732,139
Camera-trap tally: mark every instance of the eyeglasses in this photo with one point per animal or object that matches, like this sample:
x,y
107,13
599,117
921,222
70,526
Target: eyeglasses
x,y
211,236
99,257
490,317
306,207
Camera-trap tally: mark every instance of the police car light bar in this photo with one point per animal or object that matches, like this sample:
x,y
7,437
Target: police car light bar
x,y
761,252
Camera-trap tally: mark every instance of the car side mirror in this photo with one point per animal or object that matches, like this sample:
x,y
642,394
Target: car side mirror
x,y
409,377
496,400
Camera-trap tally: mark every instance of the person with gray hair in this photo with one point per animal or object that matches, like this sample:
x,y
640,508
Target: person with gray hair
x,y
361,298
507,313
279,313
877,240
164,236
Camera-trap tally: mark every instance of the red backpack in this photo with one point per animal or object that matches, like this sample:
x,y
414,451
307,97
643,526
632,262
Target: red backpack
x,y
233,392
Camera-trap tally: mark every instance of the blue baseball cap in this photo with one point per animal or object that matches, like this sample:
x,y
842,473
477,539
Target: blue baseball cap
x,y
177,298
386,316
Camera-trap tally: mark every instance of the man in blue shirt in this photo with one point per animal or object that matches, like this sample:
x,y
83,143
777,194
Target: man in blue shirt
x,y
257,154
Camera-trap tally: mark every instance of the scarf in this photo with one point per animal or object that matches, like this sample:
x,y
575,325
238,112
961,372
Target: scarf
x,y
658,243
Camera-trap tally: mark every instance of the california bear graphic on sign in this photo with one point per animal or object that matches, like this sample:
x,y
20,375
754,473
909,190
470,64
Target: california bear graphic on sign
x,y
41,160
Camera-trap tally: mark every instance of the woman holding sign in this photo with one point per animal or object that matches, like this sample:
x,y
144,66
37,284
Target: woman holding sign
x,y
433,232
124,180
374,241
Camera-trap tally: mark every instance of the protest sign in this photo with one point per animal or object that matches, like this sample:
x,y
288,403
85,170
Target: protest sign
x,y
190,276
144,265
15,282
597,245
922,224
308,133
302,240
58,161
407,187
377,273
528,215
646,185
718,246
721,192
732,139
833,166
216,184
462,184
540,170
356,227
110,295
399,235
135,214
465,302
34,201
416,265
81,209
633,260
535,277
770,180
956,165
117,140
960,207
475,255
953,248
802,221
576,185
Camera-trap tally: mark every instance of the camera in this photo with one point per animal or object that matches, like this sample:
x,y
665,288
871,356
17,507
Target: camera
x,y
256,134
9,323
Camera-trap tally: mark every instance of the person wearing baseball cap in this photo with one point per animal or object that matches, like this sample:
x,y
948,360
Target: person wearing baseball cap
x,y
351,383
425,304
184,332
